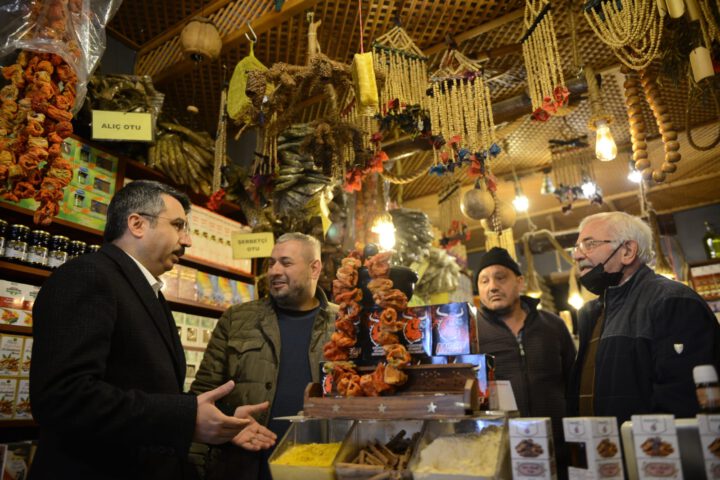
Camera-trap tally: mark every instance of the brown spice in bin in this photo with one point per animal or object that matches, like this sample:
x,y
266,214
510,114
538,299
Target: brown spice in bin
x,y
656,447
607,448
714,447
394,455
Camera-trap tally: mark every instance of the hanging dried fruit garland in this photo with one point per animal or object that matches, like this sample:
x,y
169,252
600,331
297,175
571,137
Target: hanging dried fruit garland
x,y
35,118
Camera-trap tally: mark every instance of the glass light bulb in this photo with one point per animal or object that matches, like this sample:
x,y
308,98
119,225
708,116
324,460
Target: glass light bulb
x,y
521,203
634,176
385,231
576,301
588,188
605,147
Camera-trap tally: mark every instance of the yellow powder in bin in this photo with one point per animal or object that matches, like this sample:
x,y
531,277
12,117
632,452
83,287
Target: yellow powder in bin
x,y
309,455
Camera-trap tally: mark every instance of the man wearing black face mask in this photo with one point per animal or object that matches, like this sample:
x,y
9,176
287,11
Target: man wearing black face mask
x,y
533,348
640,340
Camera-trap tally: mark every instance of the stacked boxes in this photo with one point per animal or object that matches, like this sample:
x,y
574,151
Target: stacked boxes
x,y
598,438
16,302
15,357
211,237
709,430
186,283
531,449
656,447
195,332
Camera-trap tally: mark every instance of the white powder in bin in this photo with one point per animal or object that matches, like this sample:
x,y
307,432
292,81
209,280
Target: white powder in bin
x,y
465,454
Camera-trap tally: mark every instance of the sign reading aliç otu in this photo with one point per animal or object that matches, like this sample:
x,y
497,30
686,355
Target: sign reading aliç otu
x,y
132,126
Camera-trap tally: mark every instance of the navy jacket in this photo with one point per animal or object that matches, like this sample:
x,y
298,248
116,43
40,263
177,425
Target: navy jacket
x,y
656,330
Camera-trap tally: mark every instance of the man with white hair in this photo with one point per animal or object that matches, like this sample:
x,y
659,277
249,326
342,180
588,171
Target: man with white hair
x,y
640,340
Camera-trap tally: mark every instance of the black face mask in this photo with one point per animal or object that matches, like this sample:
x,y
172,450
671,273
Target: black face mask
x,y
598,280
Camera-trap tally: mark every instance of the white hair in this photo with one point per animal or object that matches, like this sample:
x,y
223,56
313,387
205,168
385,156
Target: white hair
x,y
627,227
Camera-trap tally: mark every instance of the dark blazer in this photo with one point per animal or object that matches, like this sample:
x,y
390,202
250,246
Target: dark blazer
x,y
107,374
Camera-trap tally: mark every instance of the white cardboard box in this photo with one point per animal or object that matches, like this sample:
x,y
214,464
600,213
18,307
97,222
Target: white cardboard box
x,y
531,449
657,450
602,447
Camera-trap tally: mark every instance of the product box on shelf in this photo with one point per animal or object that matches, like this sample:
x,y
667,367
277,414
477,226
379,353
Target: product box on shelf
x,y
206,287
531,449
308,450
211,236
594,445
11,350
657,450
443,450
709,430
192,331
171,282
26,356
187,286
18,460
8,392
376,446
16,302
21,408
454,329
417,332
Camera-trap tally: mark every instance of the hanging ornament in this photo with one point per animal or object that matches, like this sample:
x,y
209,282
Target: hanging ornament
x,y
401,61
631,28
477,203
449,204
460,110
546,83
637,87
574,174
238,103
200,40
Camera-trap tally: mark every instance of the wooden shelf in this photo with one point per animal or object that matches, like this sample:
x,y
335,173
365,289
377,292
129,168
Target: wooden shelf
x,y
17,423
23,273
15,214
216,268
20,329
194,307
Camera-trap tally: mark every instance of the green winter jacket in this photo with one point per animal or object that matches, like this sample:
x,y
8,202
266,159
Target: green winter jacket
x,y
245,347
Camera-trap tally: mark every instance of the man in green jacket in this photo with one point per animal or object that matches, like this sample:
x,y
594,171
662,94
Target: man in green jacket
x,y
271,348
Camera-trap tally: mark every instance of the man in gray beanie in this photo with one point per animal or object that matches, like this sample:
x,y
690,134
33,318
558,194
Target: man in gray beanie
x,y
533,348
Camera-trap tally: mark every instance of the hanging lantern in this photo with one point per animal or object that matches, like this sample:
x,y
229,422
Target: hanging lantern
x,y
200,40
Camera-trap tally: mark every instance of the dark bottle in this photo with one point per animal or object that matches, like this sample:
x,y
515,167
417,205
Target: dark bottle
x,y
711,242
57,254
38,248
707,388
3,234
16,246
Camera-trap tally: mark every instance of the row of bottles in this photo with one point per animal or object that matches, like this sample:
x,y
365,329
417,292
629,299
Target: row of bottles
x,y
20,244
711,242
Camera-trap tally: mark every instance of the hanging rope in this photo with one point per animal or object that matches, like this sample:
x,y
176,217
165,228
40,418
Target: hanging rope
x,y
694,95
362,47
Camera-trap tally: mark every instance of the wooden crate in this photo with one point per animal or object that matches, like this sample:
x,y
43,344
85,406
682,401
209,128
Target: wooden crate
x,y
432,391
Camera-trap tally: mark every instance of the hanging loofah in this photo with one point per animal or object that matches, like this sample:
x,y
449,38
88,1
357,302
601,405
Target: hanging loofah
x,y
405,68
237,101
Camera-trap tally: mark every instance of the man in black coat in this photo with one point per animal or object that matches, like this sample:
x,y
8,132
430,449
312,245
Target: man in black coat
x,y
640,340
108,367
533,348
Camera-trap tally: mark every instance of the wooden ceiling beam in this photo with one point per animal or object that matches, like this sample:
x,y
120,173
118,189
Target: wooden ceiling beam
x,y
260,25
479,30
122,38
177,28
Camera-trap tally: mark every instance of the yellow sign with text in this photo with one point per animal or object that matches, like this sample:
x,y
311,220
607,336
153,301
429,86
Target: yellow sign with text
x,y
136,127
252,245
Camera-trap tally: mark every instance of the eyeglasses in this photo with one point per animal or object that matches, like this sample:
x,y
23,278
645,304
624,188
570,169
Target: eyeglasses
x,y
178,224
589,244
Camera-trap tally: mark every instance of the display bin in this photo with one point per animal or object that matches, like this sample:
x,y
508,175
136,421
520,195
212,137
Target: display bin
x,y
304,432
463,449
377,433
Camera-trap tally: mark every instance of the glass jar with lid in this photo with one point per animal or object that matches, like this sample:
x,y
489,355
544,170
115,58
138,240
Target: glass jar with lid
x,y
57,250
93,248
16,247
38,248
3,233
76,248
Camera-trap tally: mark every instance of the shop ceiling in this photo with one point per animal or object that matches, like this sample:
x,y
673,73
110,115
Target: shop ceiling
x,y
482,29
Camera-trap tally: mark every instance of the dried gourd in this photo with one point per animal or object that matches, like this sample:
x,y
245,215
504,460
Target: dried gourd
x,y
237,101
366,92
